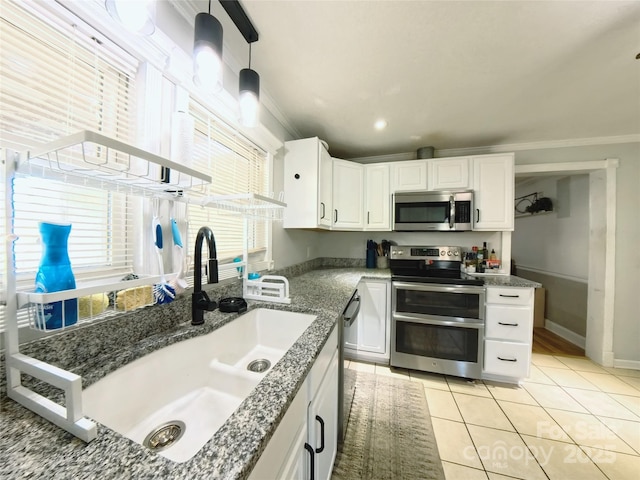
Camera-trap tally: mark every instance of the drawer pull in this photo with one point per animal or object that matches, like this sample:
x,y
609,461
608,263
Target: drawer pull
x,y
508,324
508,359
509,296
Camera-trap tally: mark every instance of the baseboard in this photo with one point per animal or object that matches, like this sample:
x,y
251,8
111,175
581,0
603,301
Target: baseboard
x,y
630,364
565,333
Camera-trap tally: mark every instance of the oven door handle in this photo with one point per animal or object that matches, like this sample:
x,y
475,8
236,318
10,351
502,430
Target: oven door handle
x,y
443,323
438,287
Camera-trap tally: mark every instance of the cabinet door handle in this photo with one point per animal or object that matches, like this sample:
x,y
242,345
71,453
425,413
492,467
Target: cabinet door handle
x,y
312,455
509,296
508,324
323,212
508,359
321,422
336,216
368,215
477,215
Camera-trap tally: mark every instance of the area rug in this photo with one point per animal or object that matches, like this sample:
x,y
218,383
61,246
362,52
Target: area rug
x,y
389,433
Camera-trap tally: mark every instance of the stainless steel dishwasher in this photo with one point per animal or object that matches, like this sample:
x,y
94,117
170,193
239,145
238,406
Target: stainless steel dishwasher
x,y
346,377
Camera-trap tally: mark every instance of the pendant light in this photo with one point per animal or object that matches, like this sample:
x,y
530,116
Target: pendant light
x,y
249,98
138,16
207,52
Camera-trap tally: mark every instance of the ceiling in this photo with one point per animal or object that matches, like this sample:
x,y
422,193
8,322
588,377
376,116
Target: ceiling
x,y
447,74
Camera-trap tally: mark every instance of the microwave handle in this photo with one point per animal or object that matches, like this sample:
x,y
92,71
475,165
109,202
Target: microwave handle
x,y
452,210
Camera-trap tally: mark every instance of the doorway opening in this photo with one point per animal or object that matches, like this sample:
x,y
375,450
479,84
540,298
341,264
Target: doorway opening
x,y
601,272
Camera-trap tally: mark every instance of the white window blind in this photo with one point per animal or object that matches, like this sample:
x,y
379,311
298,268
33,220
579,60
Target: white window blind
x,y
236,165
57,79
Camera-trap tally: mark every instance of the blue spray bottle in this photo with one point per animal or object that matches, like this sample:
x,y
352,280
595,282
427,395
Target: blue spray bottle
x,y
54,274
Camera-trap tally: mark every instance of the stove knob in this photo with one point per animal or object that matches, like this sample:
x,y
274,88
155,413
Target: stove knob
x,y
455,252
449,253
443,253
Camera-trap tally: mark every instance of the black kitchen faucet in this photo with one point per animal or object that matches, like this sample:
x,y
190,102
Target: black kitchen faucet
x,y
200,301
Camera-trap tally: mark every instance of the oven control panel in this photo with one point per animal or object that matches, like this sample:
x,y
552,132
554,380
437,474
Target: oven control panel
x,y
413,252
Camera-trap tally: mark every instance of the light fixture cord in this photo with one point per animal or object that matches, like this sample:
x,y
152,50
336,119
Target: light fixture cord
x,y
250,56
209,7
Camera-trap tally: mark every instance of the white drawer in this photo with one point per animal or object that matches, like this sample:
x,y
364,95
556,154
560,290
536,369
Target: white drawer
x,y
510,295
509,323
509,359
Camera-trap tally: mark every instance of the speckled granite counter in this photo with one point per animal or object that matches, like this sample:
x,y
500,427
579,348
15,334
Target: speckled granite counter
x,y
508,281
34,448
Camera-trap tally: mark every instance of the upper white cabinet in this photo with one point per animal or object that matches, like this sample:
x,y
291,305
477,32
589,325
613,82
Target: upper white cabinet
x,y
377,197
409,176
306,184
348,195
448,173
493,185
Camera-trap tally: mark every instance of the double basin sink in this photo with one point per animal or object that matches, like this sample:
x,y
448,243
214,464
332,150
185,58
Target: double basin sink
x,y
175,399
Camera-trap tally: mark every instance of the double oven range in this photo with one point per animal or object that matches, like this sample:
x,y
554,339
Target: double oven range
x,y
437,321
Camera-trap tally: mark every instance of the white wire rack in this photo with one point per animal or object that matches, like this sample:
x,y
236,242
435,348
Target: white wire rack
x,y
90,159
248,205
95,301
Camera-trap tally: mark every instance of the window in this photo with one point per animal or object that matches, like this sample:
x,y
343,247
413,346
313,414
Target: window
x,y
58,79
236,166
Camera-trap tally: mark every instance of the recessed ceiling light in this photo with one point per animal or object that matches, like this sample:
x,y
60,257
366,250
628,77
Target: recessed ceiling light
x,y
380,124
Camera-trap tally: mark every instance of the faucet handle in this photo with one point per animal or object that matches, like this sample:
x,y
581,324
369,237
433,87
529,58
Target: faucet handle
x,y
201,301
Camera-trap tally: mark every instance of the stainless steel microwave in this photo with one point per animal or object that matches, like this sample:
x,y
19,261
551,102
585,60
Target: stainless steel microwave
x,y
433,211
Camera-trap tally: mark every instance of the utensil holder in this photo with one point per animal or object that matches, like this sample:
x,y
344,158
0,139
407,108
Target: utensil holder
x,y
382,262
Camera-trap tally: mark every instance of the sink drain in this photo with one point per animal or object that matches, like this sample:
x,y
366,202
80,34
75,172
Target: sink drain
x,y
165,435
259,366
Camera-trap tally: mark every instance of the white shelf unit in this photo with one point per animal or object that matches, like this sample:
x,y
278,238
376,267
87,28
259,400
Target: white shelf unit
x,y
90,160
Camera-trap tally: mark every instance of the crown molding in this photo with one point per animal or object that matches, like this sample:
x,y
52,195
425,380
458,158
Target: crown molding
x,y
507,147
513,147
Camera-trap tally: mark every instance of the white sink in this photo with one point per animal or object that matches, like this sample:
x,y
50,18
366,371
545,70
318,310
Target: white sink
x,y
199,382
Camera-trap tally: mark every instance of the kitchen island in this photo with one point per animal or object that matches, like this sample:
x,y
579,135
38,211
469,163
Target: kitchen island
x,y
34,448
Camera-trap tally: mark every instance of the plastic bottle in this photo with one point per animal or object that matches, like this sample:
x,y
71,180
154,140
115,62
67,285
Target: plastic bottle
x,y
55,274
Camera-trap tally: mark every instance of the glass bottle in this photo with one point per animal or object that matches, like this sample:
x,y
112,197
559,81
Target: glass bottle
x,y
54,275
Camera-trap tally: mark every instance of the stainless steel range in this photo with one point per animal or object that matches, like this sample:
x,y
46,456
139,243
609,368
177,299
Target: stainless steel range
x,y
437,322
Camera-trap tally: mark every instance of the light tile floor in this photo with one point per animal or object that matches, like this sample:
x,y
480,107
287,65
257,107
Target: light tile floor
x,y
571,419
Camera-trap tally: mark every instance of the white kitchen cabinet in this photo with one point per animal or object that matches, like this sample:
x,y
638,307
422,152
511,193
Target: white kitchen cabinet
x,y
493,185
322,423
297,442
409,176
348,195
377,201
307,184
508,333
448,173
368,336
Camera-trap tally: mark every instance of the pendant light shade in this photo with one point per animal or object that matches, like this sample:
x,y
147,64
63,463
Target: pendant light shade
x,y
207,52
249,98
138,16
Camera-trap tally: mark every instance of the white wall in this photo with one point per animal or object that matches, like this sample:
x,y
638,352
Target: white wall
x,y
556,242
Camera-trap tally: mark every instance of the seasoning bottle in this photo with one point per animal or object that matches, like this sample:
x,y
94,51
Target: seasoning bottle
x,y
480,261
492,255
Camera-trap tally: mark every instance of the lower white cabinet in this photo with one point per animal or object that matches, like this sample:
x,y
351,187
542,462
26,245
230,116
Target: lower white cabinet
x,y
508,333
301,441
368,336
322,425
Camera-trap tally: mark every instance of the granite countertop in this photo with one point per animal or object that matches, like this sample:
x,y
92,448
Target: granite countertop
x,y
508,281
34,448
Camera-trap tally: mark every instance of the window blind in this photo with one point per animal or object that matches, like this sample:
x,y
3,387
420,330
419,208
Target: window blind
x,y
58,79
236,165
